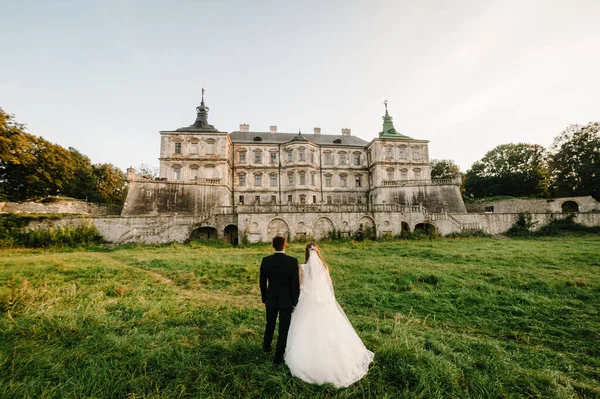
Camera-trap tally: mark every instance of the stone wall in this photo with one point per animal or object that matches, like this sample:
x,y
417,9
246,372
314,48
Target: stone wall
x,y
153,197
58,205
434,197
551,205
256,227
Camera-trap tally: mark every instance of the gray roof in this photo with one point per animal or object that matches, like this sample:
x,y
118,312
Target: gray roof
x,y
281,138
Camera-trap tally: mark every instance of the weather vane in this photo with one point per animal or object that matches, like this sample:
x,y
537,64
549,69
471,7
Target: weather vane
x,y
385,103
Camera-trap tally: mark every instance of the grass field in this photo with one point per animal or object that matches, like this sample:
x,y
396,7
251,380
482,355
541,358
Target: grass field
x,y
446,318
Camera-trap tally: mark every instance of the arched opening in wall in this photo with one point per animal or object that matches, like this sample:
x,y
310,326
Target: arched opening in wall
x,y
204,233
231,234
404,229
322,228
570,207
426,228
278,227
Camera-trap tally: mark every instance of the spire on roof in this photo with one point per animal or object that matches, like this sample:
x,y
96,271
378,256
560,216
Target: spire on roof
x,y
299,136
388,130
202,116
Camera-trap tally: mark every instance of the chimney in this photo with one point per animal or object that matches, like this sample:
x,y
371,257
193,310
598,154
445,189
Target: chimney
x,y
317,131
273,129
244,127
345,132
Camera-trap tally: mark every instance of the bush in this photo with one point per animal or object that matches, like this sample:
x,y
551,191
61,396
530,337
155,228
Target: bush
x,y
522,227
13,233
566,225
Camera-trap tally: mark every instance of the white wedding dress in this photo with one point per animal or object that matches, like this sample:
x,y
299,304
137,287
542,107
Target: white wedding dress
x,y
322,347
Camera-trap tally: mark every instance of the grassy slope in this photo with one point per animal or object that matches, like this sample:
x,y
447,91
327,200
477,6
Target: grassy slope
x,y
445,318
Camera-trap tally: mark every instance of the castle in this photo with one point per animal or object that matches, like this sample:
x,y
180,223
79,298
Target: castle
x,y
302,185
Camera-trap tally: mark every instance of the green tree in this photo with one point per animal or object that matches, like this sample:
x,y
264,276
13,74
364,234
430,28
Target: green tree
x,y
83,184
517,170
575,161
443,169
110,184
32,167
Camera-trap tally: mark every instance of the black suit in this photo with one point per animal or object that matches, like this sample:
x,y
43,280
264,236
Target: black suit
x,y
280,289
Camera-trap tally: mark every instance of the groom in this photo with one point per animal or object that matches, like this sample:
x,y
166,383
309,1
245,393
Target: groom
x,y
280,289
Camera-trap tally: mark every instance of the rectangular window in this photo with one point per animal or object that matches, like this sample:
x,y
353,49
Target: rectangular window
x,y
176,173
357,159
258,180
242,180
301,156
312,180
273,157
390,175
302,179
388,152
417,154
403,175
257,199
328,159
343,181
342,159
290,198
329,199
289,156
273,180
344,199
312,157
291,179
210,147
417,174
359,199
177,148
358,181
242,157
257,157
241,199
314,199
327,181
194,174
302,198
194,148
273,199
403,153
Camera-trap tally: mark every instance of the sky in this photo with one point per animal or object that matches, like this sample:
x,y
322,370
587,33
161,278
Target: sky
x,y
106,76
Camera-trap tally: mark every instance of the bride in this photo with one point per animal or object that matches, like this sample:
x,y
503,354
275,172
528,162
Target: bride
x,y
322,347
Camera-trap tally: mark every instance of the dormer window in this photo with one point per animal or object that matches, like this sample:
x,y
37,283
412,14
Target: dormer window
x,y
257,138
337,141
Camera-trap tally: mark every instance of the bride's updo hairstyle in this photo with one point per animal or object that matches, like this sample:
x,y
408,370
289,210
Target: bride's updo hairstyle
x,y
313,245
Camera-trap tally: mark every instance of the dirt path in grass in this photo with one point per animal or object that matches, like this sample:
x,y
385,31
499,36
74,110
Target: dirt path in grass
x,y
213,297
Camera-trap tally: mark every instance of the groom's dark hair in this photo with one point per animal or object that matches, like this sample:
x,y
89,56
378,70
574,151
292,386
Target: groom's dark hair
x,y
279,243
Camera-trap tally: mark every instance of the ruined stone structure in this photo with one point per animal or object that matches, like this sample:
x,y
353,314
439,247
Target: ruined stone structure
x,y
302,185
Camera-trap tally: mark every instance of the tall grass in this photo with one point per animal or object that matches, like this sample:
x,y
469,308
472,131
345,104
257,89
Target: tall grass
x,y
448,318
